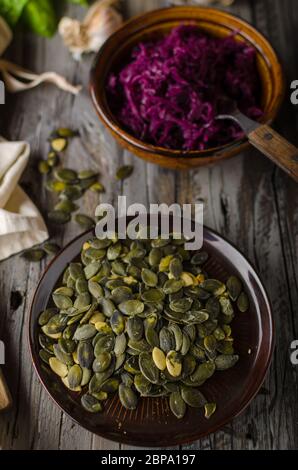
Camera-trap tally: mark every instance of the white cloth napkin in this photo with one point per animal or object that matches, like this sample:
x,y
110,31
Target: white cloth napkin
x,y
21,224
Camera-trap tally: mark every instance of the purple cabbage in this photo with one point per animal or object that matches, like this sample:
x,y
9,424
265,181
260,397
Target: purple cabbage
x,y
170,90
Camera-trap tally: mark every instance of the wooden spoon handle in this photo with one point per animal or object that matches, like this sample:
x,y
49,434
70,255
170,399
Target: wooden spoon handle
x,y
275,147
5,397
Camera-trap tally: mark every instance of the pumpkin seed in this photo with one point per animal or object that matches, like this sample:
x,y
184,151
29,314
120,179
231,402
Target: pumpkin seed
x,y
199,258
72,192
148,368
171,286
152,295
131,307
193,397
124,172
110,385
85,332
59,217
213,286
58,367
51,248
35,255
90,403
174,364
59,144
108,307
84,221
127,397
135,328
120,344
43,167
175,268
63,357
74,377
166,339
159,358
46,315
102,361
97,187
66,205
226,306
234,287
66,132
45,356
210,408
92,269
202,373
177,405
243,302
149,277
226,361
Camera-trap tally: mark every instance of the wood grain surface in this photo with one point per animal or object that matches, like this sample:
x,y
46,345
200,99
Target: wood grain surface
x,y
247,199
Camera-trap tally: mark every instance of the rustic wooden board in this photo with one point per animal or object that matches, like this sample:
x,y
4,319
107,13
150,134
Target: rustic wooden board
x,y
247,199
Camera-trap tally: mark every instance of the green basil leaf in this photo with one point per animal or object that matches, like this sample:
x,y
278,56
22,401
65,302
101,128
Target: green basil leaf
x,y
11,10
40,17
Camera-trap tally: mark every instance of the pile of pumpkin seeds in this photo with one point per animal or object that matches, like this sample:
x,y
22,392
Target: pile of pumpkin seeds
x,y
69,184
141,318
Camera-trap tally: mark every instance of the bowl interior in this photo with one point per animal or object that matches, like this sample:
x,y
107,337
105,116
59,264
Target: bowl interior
x,y
152,424
157,23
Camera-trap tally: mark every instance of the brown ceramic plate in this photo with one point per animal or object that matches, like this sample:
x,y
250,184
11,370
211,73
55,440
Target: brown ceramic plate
x,y
152,424
160,22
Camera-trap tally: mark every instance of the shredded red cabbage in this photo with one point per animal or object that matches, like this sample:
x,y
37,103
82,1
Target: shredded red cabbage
x,y
170,91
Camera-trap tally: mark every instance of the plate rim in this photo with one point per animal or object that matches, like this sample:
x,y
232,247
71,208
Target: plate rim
x,y
121,438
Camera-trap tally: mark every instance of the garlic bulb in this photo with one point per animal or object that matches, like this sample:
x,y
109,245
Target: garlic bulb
x,y
87,36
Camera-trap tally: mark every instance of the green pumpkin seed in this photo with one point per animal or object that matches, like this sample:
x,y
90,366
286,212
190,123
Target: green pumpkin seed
x,y
135,328
177,405
45,356
59,144
92,269
149,277
142,385
75,375
132,365
175,268
155,256
66,175
152,295
84,221
62,356
104,344
114,251
159,358
131,307
152,337
174,364
148,368
85,332
97,187
58,367
55,325
51,248
181,305
95,289
127,397
124,172
213,286
66,205
52,159
34,255
121,294
171,286
226,306
102,361
199,258
166,340
234,287
174,328
72,192
117,323
90,403
108,307
110,385
43,167
67,345
202,373
226,361
243,302
193,397
46,315
210,408
120,344
66,132
59,217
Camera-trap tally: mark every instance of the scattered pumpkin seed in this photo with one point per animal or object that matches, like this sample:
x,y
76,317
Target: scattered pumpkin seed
x,y
124,172
58,145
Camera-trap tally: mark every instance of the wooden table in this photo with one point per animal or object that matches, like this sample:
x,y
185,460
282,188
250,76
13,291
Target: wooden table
x,y
247,199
